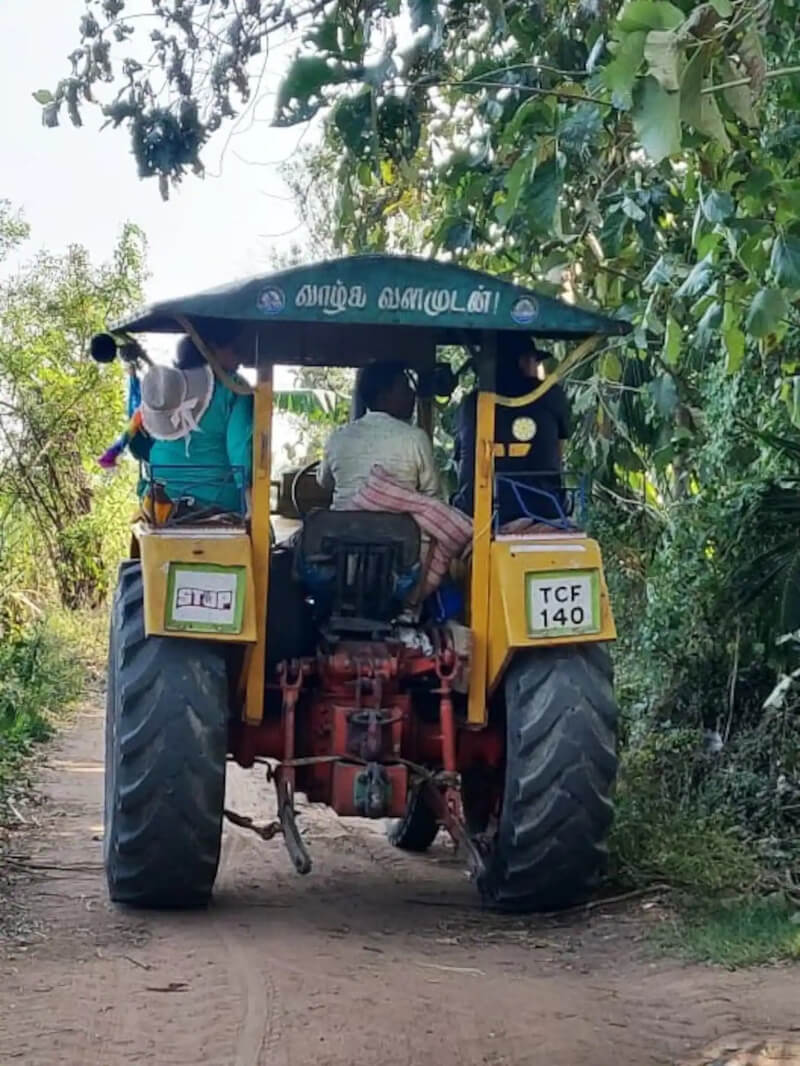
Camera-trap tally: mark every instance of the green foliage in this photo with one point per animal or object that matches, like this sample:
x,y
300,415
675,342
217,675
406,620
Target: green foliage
x,y
13,229
321,405
746,932
59,412
39,677
664,831
62,523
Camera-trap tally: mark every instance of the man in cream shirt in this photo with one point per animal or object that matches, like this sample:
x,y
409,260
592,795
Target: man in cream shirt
x,y
383,436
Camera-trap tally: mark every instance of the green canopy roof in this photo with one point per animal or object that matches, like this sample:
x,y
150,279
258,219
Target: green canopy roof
x,y
299,315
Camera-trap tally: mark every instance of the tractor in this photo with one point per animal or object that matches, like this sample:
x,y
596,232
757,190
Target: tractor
x,y
498,726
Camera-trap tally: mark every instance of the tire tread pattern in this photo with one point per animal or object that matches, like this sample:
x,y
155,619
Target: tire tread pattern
x,y
166,743
560,769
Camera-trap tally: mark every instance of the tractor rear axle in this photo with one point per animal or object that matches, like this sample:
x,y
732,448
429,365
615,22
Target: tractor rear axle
x,y
359,729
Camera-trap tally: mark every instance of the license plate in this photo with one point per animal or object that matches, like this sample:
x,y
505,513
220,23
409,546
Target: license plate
x,y
563,604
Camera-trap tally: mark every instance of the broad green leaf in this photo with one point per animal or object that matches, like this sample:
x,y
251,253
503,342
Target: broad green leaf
x,y
699,109
766,311
698,226
665,394
352,118
753,255
718,206
656,119
739,98
751,51
698,280
709,324
582,130
757,182
535,114
671,351
513,182
541,197
43,96
724,8
612,235
601,286
663,54
611,367
733,339
364,174
649,15
619,76
706,243
691,80
785,261
789,196
699,307
661,274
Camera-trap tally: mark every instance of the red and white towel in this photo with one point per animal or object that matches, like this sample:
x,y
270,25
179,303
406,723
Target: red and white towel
x,y
450,530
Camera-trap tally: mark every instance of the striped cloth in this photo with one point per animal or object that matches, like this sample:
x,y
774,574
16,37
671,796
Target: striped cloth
x,y
446,530
449,530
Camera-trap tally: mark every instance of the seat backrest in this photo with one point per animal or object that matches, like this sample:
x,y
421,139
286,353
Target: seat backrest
x,y
362,564
322,529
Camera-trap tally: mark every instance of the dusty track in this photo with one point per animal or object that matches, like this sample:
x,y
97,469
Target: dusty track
x,y
376,958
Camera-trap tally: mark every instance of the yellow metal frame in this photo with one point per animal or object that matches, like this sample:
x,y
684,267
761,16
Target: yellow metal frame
x,y
158,548
512,560
256,662
497,578
478,617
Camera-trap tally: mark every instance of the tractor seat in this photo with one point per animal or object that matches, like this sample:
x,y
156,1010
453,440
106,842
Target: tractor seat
x,y
359,567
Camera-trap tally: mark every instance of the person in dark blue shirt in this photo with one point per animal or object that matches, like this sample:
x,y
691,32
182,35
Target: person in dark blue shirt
x,y
529,440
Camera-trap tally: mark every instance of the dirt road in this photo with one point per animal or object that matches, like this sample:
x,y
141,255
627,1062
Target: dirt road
x,y
376,958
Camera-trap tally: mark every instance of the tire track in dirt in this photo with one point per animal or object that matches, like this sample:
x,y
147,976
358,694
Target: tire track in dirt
x,y
259,1034
376,957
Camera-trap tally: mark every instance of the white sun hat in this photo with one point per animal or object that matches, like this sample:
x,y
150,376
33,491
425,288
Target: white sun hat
x,y
174,401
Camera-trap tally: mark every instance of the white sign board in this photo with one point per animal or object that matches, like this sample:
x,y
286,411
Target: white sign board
x,y
207,599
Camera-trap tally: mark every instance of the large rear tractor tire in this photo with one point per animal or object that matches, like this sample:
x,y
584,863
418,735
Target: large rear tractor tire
x,y
166,743
549,847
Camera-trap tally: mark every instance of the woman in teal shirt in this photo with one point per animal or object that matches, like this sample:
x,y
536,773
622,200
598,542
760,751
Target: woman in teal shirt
x,y
202,431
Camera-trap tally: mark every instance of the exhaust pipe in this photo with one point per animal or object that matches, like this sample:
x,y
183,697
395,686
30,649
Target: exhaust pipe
x,y
104,348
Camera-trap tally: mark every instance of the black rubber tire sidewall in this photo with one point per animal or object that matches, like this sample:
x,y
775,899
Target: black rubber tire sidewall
x,y
417,829
166,746
561,721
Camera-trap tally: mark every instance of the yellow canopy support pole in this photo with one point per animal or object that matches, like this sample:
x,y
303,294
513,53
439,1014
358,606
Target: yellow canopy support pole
x,y
481,550
482,524
259,529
